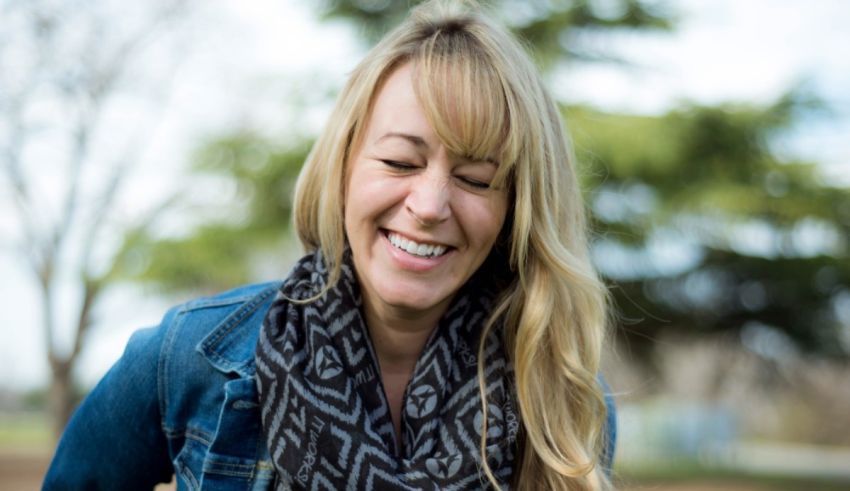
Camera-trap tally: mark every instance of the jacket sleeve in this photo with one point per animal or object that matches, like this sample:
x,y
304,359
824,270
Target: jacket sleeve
x,y
610,428
115,440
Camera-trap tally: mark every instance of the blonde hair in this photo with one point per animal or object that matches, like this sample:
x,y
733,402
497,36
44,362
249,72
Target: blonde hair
x,y
484,98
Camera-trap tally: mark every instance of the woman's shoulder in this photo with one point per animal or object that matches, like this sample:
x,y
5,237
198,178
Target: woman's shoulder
x,y
205,346
171,383
196,348
231,299
223,328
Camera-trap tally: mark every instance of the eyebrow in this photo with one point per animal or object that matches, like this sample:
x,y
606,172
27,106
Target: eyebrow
x,y
421,143
415,140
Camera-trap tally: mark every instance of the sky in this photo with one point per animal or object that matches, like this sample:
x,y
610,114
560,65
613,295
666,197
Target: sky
x,y
254,64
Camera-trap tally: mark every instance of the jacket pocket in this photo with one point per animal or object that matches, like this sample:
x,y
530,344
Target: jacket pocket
x,y
188,464
237,458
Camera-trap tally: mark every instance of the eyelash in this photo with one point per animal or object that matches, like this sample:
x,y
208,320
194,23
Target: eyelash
x,y
398,165
474,183
405,166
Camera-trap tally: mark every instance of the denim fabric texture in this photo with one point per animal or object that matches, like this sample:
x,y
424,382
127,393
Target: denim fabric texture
x,y
182,400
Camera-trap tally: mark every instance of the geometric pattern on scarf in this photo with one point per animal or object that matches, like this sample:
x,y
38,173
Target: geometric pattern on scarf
x,y
324,412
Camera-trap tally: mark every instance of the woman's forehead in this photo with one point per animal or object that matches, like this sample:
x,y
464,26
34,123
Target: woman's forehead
x,y
396,109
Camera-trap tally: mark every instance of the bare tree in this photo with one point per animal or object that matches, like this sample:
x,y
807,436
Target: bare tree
x,y
63,65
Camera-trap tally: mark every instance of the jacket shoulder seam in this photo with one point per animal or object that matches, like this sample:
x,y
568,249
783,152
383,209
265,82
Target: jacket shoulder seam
x,y
234,319
221,300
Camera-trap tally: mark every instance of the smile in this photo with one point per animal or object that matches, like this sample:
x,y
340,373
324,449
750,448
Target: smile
x,y
416,248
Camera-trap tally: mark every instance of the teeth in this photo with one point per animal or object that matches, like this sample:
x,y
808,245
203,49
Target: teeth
x,y
415,248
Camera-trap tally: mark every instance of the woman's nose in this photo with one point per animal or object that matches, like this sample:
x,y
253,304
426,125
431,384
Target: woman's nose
x,y
428,199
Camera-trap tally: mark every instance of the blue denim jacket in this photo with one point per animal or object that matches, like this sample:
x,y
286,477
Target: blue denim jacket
x,y
181,400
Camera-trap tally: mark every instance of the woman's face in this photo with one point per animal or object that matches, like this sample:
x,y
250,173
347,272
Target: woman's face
x,y
419,220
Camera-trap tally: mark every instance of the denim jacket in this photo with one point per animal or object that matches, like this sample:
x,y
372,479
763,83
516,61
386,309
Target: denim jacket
x,y
181,400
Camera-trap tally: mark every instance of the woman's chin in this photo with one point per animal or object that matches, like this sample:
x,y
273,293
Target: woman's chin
x,y
413,301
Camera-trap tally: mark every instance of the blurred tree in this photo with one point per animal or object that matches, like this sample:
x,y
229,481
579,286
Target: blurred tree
x,y
215,257
702,227
555,28
237,246
63,67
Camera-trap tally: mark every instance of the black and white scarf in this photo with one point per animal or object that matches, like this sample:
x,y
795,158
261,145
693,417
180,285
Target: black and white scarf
x,y
325,416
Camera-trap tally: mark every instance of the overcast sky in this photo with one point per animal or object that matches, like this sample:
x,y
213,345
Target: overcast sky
x,y
241,67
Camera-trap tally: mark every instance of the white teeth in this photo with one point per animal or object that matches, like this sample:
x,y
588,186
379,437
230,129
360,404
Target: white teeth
x,y
415,248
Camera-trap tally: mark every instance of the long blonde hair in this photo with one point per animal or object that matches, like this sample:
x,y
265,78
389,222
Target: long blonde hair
x,y
484,97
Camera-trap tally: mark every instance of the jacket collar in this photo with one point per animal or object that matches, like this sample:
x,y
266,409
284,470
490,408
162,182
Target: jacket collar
x,y
229,347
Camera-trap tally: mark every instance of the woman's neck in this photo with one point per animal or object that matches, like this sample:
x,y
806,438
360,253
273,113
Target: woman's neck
x,y
398,337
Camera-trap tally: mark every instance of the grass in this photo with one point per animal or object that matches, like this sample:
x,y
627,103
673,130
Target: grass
x,y
25,432
689,472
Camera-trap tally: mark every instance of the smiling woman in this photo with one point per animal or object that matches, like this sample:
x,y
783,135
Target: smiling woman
x,y
442,332
406,199
407,196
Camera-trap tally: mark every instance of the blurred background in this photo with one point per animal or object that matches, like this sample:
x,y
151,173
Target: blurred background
x,y
148,153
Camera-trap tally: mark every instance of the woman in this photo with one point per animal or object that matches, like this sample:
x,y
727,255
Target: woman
x,y
447,278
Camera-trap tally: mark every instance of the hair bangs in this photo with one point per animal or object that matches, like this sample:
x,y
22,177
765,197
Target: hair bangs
x,y
464,99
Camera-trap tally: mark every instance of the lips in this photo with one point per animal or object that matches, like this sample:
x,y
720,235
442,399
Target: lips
x,y
415,248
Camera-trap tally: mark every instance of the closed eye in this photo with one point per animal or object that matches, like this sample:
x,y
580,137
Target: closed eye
x,y
475,183
398,165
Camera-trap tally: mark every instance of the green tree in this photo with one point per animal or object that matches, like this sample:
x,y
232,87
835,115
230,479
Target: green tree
x,y
250,231
227,250
760,240
555,28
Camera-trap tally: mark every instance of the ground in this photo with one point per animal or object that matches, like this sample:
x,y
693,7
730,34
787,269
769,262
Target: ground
x,y
23,470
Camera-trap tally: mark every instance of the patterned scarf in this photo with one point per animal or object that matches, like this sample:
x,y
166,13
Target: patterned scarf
x,y
325,415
